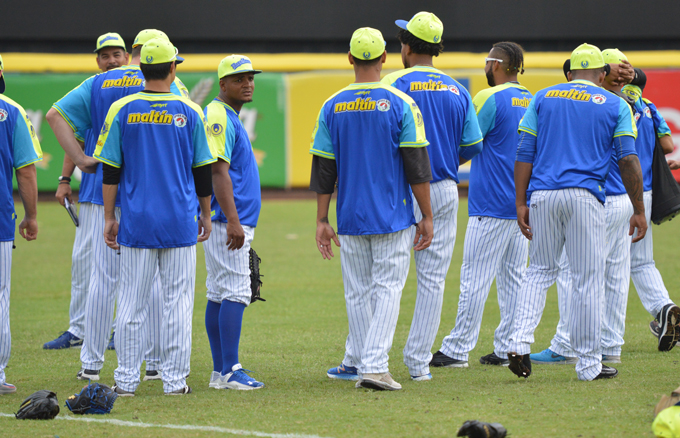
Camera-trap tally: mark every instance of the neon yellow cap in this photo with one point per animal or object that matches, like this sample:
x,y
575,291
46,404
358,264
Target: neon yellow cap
x,y
586,57
235,64
424,25
147,34
2,78
667,423
367,43
613,56
110,39
632,91
159,51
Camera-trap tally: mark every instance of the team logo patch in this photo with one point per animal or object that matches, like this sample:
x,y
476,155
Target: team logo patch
x,y
436,39
454,90
367,55
105,128
599,99
637,116
149,59
3,115
216,129
384,105
32,130
648,112
180,120
584,64
419,119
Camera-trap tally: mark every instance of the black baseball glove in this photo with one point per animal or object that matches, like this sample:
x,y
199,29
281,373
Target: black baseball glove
x,y
477,429
41,405
92,399
255,282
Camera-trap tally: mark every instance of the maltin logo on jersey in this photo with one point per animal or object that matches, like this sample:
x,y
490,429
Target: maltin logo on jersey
x,y
3,115
384,105
180,120
599,99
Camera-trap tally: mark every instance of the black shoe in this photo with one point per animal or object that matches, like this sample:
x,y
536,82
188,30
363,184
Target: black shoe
x,y
669,325
654,328
439,359
607,373
121,392
492,359
152,375
520,364
88,375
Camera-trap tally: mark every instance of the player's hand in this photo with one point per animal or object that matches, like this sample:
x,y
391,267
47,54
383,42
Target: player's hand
x,y
622,74
28,228
87,164
111,233
204,229
523,221
638,221
324,234
235,235
424,233
64,191
674,164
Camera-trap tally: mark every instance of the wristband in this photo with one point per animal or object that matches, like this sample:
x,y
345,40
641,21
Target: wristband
x,y
64,180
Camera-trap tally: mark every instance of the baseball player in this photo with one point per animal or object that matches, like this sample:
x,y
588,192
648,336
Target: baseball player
x,y
159,183
494,246
235,207
453,132
370,137
111,53
563,157
83,108
20,151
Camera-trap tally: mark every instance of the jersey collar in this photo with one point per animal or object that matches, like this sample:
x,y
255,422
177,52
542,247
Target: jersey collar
x,y
583,81
226,105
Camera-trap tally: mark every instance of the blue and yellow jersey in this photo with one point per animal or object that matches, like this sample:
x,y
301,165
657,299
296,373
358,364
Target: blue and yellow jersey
x,y
362,127
19,147
85,108
492,173
450,123
576,125
156,139
650,123
232,144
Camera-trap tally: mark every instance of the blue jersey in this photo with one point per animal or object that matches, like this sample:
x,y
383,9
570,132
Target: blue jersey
x,y
85,107
362,127
492,181
19,148
650,124
450,123
232,144
156,139
574,127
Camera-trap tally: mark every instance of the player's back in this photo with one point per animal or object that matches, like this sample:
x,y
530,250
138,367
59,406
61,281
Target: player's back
x,y
492,185
447,111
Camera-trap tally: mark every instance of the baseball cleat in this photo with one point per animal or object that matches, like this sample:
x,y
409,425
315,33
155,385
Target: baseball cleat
x,y
215,380
609,358
182,391
379,382
654,328
549,357
669,326
112,343
439,359
7,388
239,379
520,364
65,340
343,372
122,392
422,378
607,373
492,359
152,375
84,374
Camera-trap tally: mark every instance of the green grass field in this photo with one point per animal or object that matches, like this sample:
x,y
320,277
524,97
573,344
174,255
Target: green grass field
x,y
292,339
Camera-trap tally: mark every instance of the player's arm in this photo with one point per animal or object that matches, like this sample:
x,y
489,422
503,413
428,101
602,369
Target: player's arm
x,y
204,156
64,133
661,128
471,141
27,182
224,193
64,188
524,165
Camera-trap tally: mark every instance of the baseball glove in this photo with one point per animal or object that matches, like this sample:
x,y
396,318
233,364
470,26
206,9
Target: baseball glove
x,y
92,399
477,429
667,401
41,405
255,282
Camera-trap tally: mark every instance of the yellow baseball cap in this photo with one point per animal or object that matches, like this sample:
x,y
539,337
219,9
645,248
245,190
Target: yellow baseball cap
x,y
632,91
2,78
667,423
148,34
424,25
110,39
367,43
586,57
159,51
235,64
613,56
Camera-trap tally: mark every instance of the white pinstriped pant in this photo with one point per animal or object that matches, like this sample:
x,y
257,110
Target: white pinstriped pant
x,y
617,210
374,270
177,268
228,271
494,248
81,269
572,219
5,281
432,265
646,278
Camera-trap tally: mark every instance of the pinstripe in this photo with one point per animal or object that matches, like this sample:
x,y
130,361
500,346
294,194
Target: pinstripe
x,y
432,265
5,281
228,271
81,269
154,323
572,219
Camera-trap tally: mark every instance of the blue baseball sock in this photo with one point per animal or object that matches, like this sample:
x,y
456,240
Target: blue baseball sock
x,y
231,317
212,326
